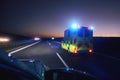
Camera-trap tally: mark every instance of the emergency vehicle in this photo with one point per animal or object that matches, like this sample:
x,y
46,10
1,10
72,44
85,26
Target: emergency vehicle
x,y
78,39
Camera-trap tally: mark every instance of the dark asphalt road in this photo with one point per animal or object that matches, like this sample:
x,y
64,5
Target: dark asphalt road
x,y
102,66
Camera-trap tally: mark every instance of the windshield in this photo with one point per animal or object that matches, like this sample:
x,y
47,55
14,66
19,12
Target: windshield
x,y
39,30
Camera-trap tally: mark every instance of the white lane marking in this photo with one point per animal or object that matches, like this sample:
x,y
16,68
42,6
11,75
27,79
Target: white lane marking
x,y
62,60
111,57
58,42
49,44
15,48
12,52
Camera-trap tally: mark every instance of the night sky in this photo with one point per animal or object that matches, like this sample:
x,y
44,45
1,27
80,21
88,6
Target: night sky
x,y
51,17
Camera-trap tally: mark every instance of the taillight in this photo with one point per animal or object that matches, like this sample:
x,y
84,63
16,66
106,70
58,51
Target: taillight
x,y
90,50
75,51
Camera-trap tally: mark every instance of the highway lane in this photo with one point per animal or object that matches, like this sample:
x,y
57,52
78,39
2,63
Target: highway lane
x,y
41,51
103,67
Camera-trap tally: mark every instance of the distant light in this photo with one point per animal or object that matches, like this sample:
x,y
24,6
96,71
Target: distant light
x,y
92,28
52,38
3,39
36,38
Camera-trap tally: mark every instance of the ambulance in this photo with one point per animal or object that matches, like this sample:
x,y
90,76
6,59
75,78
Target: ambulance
x,y
78,39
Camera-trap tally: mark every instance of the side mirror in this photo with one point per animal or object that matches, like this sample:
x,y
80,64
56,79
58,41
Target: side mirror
x,y
67,74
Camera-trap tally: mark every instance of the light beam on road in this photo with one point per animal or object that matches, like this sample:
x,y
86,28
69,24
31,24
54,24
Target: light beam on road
x,y
10,53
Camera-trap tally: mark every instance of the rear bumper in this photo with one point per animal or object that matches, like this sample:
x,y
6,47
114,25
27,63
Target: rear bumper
x,y
83,51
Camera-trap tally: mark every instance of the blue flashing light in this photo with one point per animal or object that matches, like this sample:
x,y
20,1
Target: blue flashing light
x,y
74,26
92,28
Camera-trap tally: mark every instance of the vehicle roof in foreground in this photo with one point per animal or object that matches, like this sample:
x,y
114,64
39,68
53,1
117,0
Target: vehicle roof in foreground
x,y
12,64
